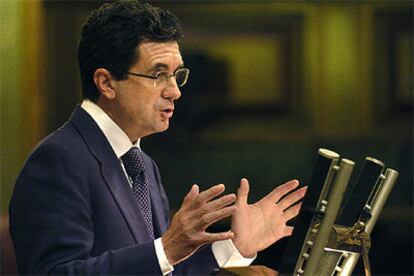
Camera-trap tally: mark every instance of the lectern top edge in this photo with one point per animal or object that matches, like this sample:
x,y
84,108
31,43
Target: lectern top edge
x,y
347,161
328,153
376,161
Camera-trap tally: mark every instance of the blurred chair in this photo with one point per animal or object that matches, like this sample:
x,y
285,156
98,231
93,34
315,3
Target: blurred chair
x,y
7,257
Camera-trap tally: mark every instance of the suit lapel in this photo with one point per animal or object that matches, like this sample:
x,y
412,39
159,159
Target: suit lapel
x,y
112,172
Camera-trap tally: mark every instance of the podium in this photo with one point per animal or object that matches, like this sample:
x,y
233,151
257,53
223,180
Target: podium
x,y
254,270
333,227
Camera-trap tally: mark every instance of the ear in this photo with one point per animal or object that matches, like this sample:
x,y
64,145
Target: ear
x,y
105,83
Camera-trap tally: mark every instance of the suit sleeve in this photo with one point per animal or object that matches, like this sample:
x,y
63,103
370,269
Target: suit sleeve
x,y
52,222
203,261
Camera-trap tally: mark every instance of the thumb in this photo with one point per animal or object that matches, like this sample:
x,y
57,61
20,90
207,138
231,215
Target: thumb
x,y
242,192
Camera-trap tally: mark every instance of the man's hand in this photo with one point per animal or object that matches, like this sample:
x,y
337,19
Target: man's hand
x,y
259,225
198,211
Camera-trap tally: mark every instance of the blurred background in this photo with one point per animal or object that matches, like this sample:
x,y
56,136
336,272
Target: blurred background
x,y
270,83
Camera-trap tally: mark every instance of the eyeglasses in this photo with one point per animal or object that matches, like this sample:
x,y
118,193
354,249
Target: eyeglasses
x,y
162,77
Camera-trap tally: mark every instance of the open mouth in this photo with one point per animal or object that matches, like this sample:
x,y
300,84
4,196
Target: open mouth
x,y
167,113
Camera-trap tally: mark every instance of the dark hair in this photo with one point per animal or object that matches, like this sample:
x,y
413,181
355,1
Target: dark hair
x,y
111,34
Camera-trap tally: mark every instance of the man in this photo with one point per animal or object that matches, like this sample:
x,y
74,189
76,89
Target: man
x,y
89,201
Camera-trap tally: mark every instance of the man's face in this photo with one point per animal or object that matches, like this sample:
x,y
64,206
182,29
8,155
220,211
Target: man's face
x,y
142,108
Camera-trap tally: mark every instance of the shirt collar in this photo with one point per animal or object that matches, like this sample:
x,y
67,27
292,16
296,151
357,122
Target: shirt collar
x,y
116,137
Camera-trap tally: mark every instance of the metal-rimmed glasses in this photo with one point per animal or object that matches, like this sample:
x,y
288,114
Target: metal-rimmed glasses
x,y
162,77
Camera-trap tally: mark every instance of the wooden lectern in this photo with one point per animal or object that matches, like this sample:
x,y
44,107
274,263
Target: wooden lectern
x,y
254,270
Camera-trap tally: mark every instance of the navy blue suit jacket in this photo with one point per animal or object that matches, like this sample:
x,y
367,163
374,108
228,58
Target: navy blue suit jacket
x,y
73,212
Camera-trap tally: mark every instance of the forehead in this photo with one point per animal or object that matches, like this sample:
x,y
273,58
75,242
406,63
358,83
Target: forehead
x,y
155,52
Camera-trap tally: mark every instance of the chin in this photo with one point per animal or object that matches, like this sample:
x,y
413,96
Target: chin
x,y
161,128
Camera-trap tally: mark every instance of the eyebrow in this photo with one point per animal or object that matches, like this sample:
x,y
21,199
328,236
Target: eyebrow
x,y
160,65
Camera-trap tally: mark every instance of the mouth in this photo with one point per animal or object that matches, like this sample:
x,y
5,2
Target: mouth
x,y
167,112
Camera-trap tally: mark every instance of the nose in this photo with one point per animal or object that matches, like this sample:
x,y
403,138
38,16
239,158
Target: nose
x,y
172,91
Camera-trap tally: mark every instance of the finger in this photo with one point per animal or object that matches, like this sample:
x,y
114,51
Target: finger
x,y
243,192
210,218
282,190
214,191
191,194
292,211
288,231
292,198
220,202
213,237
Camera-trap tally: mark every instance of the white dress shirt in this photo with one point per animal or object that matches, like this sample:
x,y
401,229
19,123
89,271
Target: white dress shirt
x,y
225,253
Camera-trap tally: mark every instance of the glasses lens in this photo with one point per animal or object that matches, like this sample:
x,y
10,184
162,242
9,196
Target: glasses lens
x,y
181,76
162,78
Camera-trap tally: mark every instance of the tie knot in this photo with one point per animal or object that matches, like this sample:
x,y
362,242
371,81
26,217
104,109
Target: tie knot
x,y
133,162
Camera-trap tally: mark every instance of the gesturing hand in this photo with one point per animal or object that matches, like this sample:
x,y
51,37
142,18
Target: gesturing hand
x,y
198,211
259,225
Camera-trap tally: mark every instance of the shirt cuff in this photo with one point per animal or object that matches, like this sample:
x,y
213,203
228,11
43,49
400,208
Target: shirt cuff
x,y
227,255
165,265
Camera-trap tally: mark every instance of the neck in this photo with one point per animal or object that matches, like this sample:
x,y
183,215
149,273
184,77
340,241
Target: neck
x,y
112,111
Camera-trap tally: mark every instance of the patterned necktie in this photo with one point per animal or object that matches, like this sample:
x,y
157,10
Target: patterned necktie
x,y
135,167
